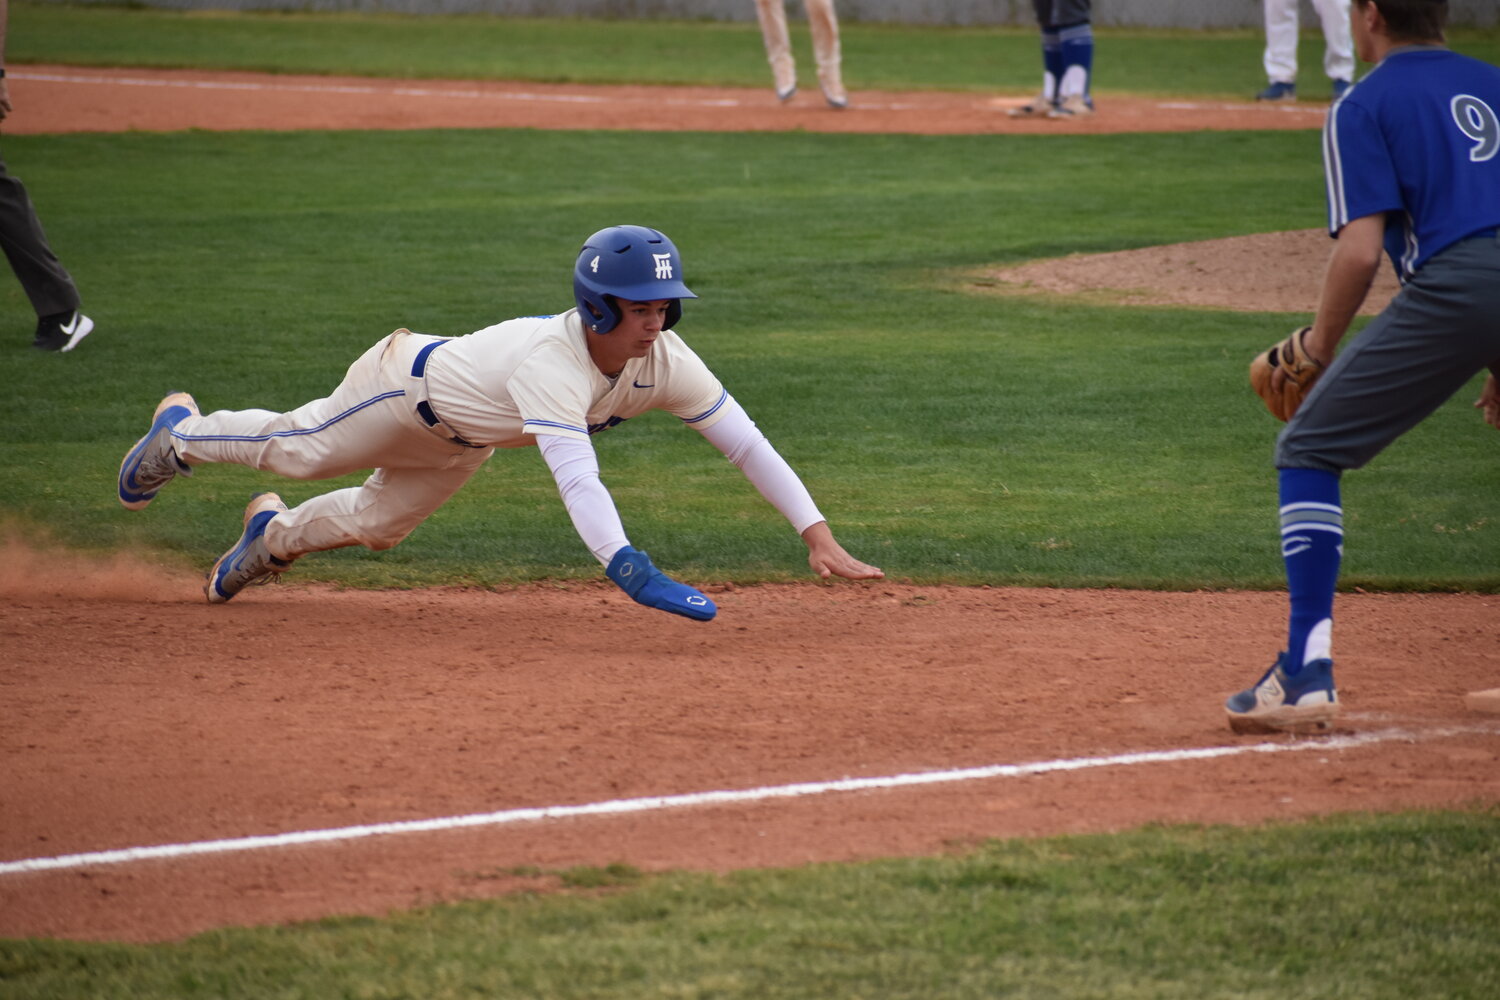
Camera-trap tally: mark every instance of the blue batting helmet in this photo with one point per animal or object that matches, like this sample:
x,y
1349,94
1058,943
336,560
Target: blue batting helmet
x,y
627,262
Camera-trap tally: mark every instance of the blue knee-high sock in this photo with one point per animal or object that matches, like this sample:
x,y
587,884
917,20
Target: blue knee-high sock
x,y
1052,62
1077,42
1312,544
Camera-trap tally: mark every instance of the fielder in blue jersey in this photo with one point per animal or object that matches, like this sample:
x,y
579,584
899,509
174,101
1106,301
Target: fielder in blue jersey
x,y
1412,161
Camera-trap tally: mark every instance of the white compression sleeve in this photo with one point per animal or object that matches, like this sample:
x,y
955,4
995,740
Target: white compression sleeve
x,y
576,469
736,435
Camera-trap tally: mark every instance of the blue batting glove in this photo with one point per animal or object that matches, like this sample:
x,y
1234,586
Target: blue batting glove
x,y
633,571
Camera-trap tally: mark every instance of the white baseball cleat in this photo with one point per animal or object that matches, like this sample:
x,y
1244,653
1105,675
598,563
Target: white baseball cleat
x,y
249,563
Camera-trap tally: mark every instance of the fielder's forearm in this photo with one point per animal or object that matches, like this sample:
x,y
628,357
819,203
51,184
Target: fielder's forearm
x,y
1351,272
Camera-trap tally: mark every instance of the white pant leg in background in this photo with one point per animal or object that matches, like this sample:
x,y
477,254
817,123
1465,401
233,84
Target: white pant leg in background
x,y
1338,41
368,422
1281,40
824,24
773,31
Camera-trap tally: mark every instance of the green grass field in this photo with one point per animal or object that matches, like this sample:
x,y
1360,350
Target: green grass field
x,y
951,436
1374,908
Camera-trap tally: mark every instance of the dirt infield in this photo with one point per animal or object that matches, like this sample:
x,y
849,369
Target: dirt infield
x,y
137,715
70,99
132,714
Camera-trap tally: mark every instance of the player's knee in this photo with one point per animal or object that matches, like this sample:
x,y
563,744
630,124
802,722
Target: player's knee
x,y
390,528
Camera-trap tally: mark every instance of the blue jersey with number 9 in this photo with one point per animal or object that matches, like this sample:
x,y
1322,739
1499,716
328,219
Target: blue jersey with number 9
x,y
1418,137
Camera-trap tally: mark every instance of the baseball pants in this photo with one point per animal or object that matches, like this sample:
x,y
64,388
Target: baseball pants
x,y
1439,331
822,21
46,282
1282,30
370,421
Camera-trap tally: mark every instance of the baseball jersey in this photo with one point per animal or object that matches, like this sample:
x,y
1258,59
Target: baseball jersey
x,y
1417,138
508,383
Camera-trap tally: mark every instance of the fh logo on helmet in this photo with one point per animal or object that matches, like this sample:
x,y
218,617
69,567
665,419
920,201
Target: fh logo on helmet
x,y
663,265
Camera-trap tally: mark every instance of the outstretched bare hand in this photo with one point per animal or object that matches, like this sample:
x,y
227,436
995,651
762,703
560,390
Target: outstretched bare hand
x,y
828,558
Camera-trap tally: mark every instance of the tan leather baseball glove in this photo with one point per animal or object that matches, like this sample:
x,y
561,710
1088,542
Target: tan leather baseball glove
x,y
1301,368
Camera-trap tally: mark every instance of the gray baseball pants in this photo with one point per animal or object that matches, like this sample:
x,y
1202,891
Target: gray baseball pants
x,y
1441,329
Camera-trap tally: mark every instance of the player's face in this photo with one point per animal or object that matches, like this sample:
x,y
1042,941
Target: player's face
x,y
640,324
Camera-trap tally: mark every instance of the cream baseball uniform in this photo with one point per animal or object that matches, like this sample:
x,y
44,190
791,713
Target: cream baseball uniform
x,y
425,412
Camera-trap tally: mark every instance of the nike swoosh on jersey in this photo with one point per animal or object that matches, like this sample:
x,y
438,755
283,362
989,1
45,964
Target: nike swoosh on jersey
x,y
639,386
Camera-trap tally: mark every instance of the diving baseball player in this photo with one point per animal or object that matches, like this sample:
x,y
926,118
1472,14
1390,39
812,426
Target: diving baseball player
x,y
1411,155
425,412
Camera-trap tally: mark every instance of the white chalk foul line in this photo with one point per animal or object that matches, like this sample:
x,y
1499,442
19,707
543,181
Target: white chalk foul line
x,y
312,88
656,100
616,807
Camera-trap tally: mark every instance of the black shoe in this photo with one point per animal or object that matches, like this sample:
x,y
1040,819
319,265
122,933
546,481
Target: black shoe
x,y
61,331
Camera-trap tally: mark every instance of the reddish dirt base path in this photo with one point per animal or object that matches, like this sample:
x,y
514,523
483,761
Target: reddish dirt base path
x,y
71,99
133,714
130,720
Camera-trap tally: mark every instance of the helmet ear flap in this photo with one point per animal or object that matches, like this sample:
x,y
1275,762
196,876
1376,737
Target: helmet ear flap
x,y
602,313
606,319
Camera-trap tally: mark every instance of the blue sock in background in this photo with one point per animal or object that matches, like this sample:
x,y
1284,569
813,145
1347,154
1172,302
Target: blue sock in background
x,y
1052,62
1312,545
1077,41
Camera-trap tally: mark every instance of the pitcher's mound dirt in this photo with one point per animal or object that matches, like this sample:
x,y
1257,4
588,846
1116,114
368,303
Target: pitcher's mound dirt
x,y
1261,272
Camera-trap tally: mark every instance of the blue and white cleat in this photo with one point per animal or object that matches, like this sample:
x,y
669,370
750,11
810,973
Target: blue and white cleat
x,y
249,563
153,463
1278,92
1302,703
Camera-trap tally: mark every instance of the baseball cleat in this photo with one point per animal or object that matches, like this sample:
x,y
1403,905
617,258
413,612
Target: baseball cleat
x,y
152,463
1037,107
1305,702
1278,92
784,74
1076,106
249,563
53,334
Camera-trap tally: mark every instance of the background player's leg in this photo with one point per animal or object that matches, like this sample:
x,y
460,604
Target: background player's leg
x,y
46,282
773,31
1076,67
1338,42
824,24
1280,58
